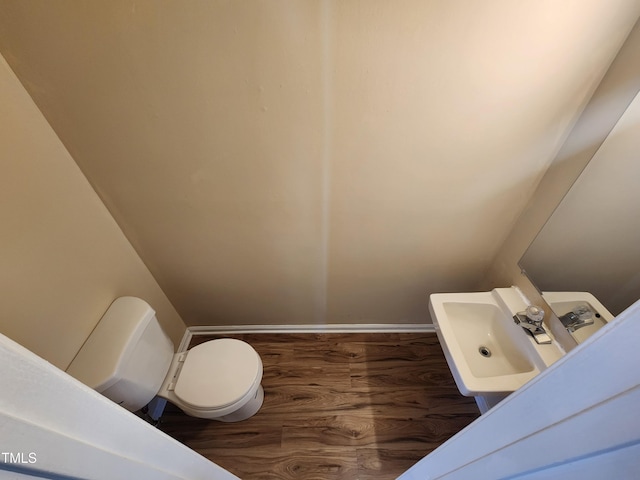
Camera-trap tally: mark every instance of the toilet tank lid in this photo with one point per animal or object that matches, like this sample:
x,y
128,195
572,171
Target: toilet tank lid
x,y
105,353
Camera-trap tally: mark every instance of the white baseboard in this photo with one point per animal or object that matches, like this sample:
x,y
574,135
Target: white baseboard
x,y
331,328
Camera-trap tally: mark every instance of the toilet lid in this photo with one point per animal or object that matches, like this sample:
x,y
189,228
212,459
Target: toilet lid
x,y
218,373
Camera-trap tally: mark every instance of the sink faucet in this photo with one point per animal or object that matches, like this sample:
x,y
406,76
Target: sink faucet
x,y
580,316
531,321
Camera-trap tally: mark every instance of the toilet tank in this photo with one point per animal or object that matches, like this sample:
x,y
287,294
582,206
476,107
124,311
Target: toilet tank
x,y
127,355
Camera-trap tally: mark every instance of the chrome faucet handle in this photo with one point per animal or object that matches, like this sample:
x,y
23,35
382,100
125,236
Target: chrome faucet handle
x,y
535,315
532,315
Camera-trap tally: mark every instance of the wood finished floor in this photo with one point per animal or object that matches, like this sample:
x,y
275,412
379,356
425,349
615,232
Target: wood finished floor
x,y
337,406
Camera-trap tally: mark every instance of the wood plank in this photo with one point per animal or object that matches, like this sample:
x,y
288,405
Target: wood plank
x,y
365,430
395,373
305,374
302,401
288,464
383,464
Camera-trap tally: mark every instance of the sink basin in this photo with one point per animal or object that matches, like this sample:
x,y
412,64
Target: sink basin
x,y
564,302
486,351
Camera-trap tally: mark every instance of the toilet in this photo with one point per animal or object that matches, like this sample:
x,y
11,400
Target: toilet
x,y
130,360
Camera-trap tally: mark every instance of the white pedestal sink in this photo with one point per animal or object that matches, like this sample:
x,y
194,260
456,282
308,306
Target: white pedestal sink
x,y
488,354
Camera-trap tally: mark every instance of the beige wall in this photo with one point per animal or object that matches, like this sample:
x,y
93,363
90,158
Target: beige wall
x,y
63,259
312,162
616,91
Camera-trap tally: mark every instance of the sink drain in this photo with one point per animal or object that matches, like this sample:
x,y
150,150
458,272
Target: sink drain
x,y
484,351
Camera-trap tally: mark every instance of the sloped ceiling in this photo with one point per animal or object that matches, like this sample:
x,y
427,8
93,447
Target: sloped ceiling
x,y
313,161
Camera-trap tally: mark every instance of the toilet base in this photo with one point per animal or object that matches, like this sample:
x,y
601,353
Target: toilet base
x,y
248,410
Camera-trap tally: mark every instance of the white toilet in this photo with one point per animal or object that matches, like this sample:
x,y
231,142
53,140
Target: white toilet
x,y
129,359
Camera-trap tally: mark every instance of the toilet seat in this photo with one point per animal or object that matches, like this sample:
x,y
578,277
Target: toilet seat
x,y
218,374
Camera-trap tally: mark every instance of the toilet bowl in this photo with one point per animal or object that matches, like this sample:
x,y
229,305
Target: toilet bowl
x,y
129,359
218,379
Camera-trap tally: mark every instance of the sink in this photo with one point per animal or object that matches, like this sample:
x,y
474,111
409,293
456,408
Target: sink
x,y
486,351
564,302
